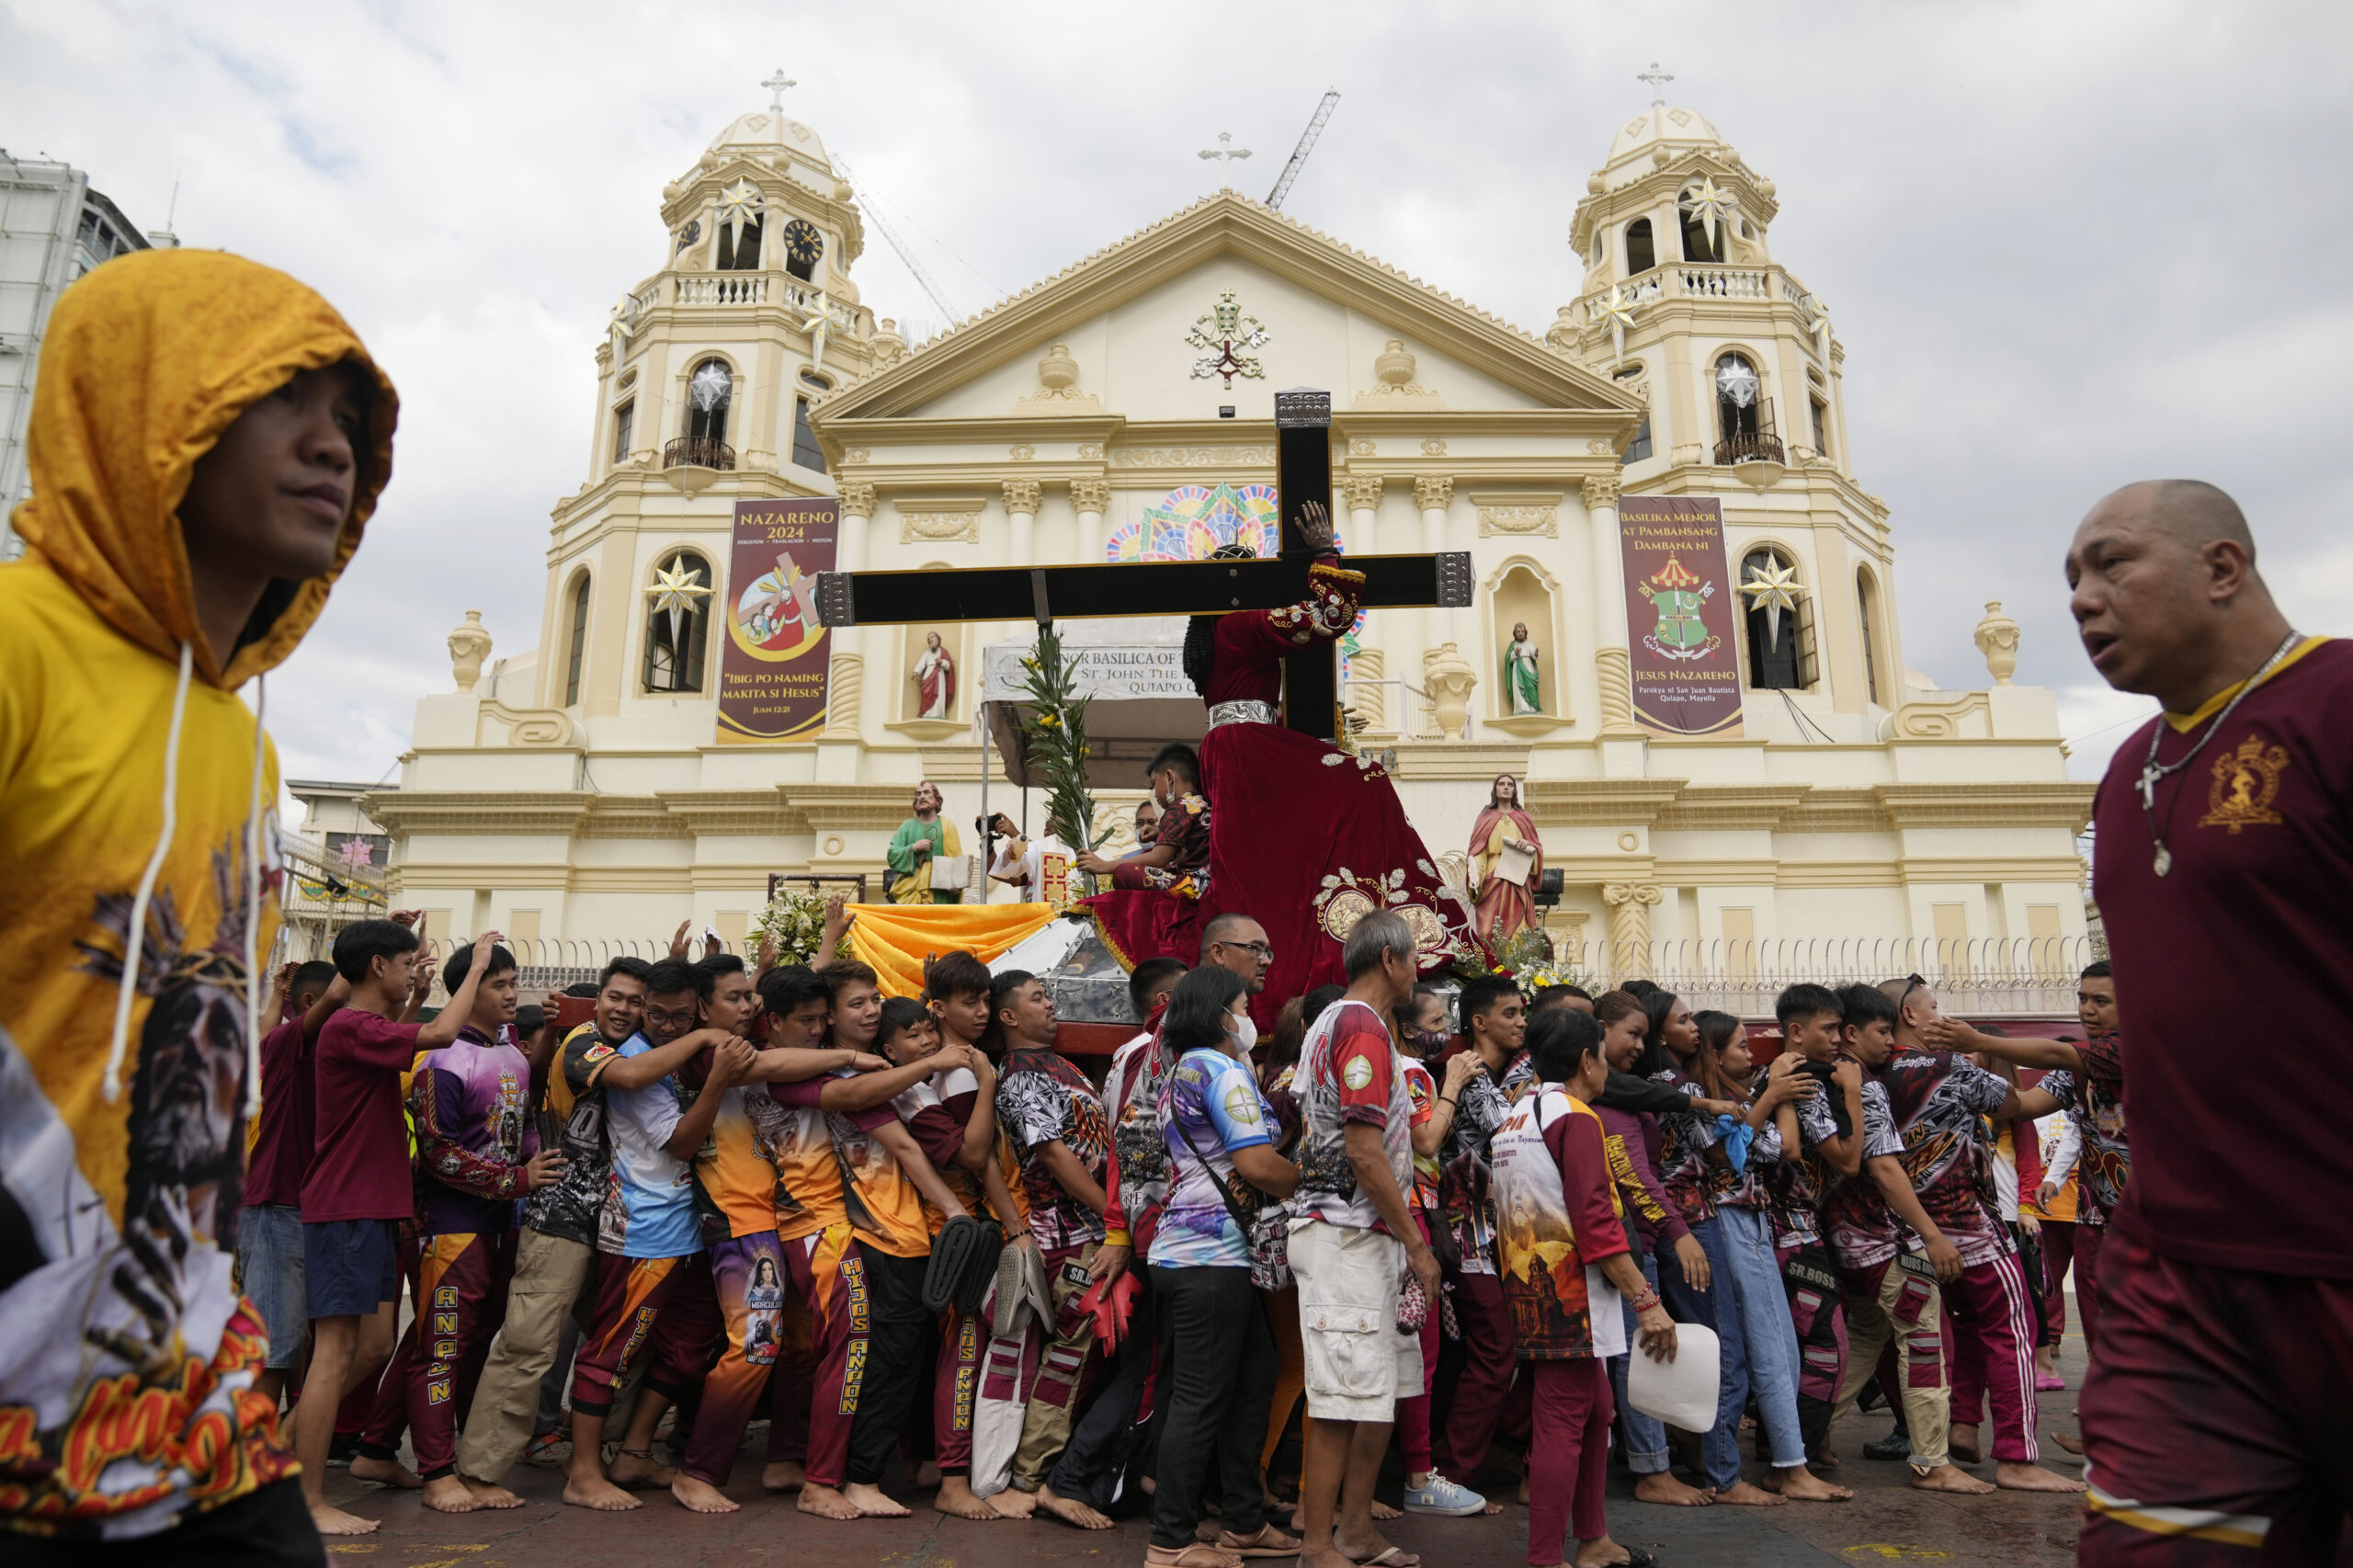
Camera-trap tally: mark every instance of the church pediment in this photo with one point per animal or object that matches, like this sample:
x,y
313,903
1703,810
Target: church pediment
x,y
1215,307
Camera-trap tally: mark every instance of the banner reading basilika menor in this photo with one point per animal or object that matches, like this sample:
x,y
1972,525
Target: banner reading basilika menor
x,y
774,667
1680,612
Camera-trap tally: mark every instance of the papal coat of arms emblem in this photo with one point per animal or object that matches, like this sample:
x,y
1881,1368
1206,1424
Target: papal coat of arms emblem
x,y
2246,783
1678,597
1226,333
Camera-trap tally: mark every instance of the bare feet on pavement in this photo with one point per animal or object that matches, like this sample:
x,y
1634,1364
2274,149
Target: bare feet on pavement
x,y
1740,1495
1385,1512
784,1475
956,1497
871,1503
1945,1478
825,1503
490,1494
701,1496
384,1472
2071,1445
1602,1554
335,1521
1070,1510
1373,1547
1799,1484
1668,1491
448,1494
597,1492
635,1471
1015,1503
2033,1478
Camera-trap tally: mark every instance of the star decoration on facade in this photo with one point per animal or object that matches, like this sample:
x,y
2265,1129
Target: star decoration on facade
x,y
814,322
739,204
1712,205
1737,384
1818,321
710,387
674,592
1773,588
621,323
356,853
1617,313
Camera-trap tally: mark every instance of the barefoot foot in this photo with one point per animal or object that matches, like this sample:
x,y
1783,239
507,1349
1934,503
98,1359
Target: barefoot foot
x,y
1015,1503
1945,1478
2071,1445
335,1521
1664,1489
1962,1443
385,1472
448,1494
784,1475
701,1496
1373,1548
956,1497
2031,1478
490,1494
1385,1512
637,1468
595,1492
826,1503
870,1502
1071,1511
1799,1484
1740,1495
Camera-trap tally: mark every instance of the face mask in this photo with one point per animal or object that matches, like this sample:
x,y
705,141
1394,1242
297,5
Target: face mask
x,y
1245,1030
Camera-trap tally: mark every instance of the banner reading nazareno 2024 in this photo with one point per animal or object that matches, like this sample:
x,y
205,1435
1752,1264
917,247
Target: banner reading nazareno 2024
x,y
773,670
1679,613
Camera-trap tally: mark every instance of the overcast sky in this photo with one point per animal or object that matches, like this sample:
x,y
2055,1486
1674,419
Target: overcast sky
x,y
2068,244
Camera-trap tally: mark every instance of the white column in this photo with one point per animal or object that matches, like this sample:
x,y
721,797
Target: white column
x,y
1022,516
1091,498
1434,495
1613,662
848,677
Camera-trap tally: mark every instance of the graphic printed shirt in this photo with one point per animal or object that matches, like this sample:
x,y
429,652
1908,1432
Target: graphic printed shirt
x,y
1422,1089
1684,1168
1210,1107
1557,1204
886,1210
1463,1196
466,1100
649,1197
1041,1099
1627,1138
1186,825
2095,1104
1347,1072
1139,1168
1938,1100
1856,1221
567,1206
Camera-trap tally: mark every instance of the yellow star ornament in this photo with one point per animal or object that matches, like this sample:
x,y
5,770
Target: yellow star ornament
x,y
739,204
1773,588
1712,205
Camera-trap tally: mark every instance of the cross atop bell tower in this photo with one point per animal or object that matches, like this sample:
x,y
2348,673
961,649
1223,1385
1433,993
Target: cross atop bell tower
x,y
1658,80
778,82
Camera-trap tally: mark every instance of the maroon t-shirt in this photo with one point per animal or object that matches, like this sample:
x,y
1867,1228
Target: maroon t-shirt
x,y
2226,1171
362,1169
287,1129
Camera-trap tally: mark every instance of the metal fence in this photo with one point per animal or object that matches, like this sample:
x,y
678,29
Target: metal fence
x,y
1981,977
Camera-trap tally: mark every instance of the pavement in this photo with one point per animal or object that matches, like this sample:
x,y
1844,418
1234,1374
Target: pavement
x,y
1887,1522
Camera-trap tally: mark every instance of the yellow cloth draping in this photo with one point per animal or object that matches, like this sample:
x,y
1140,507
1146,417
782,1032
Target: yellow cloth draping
x,y
895,939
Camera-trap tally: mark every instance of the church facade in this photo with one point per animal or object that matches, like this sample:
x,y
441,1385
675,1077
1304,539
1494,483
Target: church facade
x,y
1723,750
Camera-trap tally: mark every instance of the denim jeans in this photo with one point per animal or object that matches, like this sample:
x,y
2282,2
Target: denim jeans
x,y
1645,1435
1716,1308
1769,1336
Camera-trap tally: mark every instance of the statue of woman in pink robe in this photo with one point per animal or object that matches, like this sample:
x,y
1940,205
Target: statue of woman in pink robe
x,y
1505,907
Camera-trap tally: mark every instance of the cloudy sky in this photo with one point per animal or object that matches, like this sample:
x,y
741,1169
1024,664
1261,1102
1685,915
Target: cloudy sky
x,y
2068,244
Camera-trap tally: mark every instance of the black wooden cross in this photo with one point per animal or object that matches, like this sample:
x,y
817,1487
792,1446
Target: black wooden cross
x,y
1044,594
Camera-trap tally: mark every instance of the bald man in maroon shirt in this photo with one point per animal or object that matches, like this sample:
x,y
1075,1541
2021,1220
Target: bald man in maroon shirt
x,y
2215,1417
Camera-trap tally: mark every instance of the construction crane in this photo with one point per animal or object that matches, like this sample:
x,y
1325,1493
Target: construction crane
x,y
950,314
1306,145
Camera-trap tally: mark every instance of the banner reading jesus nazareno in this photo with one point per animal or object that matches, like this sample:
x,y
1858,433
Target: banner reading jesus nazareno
x,y
1679,614
774,667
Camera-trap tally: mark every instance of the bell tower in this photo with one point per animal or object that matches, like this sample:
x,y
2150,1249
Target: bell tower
x,y
1684,305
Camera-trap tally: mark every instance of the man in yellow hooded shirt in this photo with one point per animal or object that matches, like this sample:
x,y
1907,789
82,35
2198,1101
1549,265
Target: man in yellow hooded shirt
x,y
208,440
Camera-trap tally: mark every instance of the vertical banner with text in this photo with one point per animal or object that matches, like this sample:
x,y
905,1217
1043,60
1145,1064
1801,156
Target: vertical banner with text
x,y
774,668
1679,611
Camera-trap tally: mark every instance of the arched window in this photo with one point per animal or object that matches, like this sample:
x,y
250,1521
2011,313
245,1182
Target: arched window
x,y
1779,622
579,641
1640,448
806,452
709,392
677,617
1743,413
1695,236
739,247
1642,255
1867,608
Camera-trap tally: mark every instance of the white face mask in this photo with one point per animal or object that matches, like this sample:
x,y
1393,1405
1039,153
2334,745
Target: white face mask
x,y
1245,1030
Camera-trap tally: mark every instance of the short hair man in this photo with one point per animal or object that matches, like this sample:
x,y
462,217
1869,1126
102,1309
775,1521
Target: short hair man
x,y
206,443
1354,1241
269,1232
1573,997
556,1255
2221,833
1496,1018
1238,943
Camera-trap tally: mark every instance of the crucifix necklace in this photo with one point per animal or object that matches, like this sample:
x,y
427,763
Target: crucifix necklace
x,y
2151,772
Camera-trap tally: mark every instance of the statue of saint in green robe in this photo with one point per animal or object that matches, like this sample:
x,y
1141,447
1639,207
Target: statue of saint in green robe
x,y
922,838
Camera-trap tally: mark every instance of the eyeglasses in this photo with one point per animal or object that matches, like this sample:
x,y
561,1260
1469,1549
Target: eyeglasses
x,y
1912,982
1265,950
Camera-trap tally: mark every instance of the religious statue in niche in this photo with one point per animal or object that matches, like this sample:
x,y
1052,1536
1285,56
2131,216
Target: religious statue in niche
x,y
1509,859
935,680
1520,679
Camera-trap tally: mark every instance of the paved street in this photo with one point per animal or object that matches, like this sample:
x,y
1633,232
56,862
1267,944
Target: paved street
x,y
1887,1522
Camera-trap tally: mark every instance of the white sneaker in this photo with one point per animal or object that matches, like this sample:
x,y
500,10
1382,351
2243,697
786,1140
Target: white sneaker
x,y
1443,1496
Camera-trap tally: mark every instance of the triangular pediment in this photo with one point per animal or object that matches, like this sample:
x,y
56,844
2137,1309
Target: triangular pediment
x,y
1127,312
